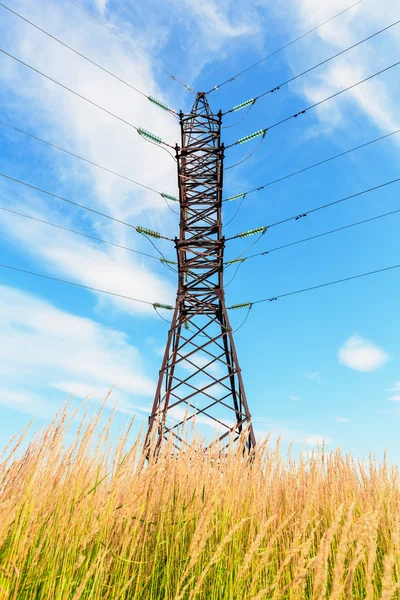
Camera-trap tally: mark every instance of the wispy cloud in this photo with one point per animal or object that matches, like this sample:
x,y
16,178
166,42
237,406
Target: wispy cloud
x,y
44,347
396,390
342,420
313,376
362,355
288,433
58,116
376,100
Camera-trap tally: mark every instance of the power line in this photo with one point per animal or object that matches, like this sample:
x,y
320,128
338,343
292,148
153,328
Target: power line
x,y
91,237
150,98
87,287
252,101
313,237
314,287
283,47
187,87
90,162
264,228
142,132
137,228
321,162
308,108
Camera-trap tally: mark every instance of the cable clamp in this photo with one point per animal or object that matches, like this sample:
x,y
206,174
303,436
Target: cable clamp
x,y
244,305
149,232
169,197
235,197
165,306
149,136
300,216
260,230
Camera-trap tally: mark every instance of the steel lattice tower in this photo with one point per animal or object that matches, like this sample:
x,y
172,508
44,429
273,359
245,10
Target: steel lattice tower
x,y
200,371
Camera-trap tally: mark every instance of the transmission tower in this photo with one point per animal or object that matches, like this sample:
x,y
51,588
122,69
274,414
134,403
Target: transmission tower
x,y
200,375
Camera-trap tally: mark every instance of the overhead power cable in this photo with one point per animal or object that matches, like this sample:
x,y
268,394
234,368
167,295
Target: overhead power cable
x,y
314,287
252,101
90,162
262,132
142,132
87,287
150,98
321,162
86,235
300,37
264,228
187,87
138,228
241,259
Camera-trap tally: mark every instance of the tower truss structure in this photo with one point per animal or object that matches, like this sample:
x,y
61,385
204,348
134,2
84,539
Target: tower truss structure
x,y
200,377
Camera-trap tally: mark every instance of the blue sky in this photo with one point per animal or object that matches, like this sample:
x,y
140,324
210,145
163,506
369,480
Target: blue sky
x,y
321,365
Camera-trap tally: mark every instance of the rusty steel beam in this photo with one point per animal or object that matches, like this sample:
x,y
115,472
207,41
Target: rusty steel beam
x,y
200,376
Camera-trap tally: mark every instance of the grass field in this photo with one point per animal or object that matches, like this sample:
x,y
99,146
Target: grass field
x,y
90,519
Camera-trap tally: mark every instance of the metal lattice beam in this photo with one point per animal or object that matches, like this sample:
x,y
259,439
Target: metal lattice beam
x,y
200,376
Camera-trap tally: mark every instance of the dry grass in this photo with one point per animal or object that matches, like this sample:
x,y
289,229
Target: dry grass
x,y
91,520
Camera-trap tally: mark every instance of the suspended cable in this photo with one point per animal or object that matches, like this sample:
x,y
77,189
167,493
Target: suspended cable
x,y
161,317
142,132
247,157
90,162
282,48
314,287
313,210
251,136
321,162
132,46
86,235
252,101
241,120
235,214
244,320
154,101
87,287
240,260
137,228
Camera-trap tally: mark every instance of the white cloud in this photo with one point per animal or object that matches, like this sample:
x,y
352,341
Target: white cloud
x,y
342,420
396,390
291,397
26,402
396,387
362,355
378,99
101,5
43,347
56,115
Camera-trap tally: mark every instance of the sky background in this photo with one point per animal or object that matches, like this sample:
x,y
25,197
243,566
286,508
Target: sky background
x,y
324,365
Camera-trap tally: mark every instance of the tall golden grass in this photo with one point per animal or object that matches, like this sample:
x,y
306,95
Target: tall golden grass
x,y
91,519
